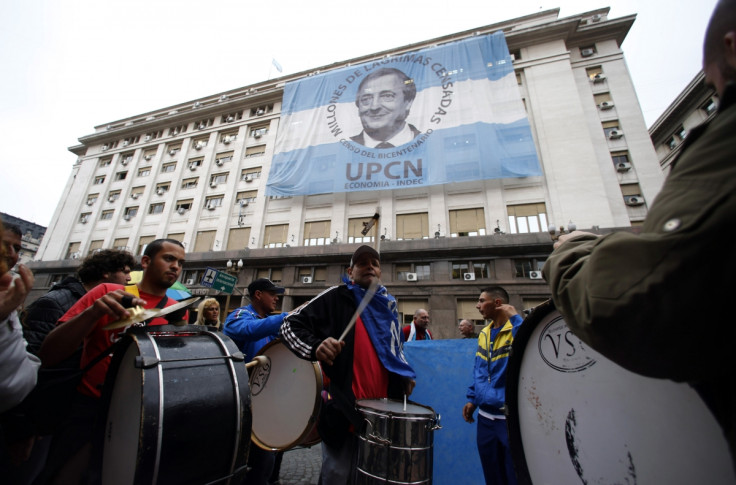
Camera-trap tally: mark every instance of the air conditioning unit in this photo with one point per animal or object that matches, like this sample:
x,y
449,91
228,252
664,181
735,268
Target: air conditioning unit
x,y
192,167
634,200
148,138
260,111
105,148
181,210
243,203
213,184
599,78
230,119
202,126
615,134
126,143
623,167
160,191
197,105
124,161
224,97
198,146
172,152
411,277
90,202
257,134
248,178
226,140
606,105
469,276
148,157
596,17
83,220
306,280
218,162
126,217
135,196
190,281
587,52
535,275
211,207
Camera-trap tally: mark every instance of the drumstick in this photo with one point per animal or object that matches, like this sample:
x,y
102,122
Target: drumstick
x,y
366,299
257,360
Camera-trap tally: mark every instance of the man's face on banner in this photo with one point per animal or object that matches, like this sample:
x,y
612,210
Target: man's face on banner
x,y
382,106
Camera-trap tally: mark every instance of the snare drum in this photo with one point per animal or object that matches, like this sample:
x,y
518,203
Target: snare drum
x,y
286,396
178,408
395,445
576,417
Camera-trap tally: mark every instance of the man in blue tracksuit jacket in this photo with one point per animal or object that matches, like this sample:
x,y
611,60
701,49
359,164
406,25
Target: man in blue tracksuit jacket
x,y
489,384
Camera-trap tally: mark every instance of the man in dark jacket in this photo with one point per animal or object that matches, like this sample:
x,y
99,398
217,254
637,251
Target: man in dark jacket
x,y
106,266
638,299
367,363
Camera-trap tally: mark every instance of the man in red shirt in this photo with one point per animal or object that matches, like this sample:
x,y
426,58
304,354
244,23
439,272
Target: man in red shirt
x,y
418,330
162,263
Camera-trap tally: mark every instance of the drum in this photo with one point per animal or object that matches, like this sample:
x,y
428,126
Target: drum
x,y
576,417
178,408
395,444
286,396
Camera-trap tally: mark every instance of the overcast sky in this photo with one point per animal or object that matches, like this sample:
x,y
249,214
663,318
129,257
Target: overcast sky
x,y
69,65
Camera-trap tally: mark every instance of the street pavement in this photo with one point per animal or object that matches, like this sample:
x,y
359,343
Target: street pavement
x,y
301,466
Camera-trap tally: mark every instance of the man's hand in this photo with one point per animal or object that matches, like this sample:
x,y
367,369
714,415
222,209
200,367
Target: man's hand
x,y
409,385
507,311
115,304
13,291
565,237
328,350
468,411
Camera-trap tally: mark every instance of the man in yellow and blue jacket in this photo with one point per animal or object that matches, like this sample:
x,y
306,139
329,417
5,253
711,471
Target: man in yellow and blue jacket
x,y
489,383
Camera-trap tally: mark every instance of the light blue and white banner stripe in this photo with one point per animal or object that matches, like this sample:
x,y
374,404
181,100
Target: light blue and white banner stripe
x,y
467,108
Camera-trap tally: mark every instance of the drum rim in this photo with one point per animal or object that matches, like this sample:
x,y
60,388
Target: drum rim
x,y
312,421
521,339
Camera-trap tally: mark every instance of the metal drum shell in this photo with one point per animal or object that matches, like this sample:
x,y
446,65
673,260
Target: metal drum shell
x,y
177,408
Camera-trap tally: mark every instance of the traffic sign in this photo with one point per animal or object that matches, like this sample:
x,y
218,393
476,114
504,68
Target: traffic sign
x,y
218,280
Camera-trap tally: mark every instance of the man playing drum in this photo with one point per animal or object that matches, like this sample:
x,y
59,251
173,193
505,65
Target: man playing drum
x,y
368,363
488,391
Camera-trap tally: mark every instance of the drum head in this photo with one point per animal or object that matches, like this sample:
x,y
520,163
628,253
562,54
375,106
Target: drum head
x,y
286,396
576,417
391,406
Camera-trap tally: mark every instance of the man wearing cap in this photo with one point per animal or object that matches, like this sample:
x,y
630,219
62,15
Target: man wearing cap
x,y
252,327
368,363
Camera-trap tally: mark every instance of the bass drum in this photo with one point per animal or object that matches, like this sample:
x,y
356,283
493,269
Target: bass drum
x,y
576,417
178,408
286,393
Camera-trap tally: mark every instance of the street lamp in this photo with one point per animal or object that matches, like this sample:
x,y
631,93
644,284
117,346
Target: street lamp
x,y
232,269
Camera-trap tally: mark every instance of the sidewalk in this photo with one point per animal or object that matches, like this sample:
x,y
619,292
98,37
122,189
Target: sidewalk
x,y
301,466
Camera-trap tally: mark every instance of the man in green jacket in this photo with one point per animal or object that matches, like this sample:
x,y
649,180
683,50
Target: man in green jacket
x,y
648,301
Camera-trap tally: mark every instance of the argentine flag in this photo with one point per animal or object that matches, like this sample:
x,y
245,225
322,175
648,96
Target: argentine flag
x,y
465,122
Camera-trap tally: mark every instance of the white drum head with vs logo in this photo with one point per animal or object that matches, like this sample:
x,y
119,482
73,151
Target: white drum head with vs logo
x,y
576,417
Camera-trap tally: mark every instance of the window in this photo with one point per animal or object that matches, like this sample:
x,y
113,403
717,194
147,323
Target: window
x,y
92,198
524,266
113,195
595,74
177,130
246,196
217,179
223,158
671,143
407,308
107,215
168,167
478,269
104,162
515,55
73,250
144,241
204,123
412,226
238,238
126,158
99,180
189,183
317,233
195,163
130,212
176,236
94,246
84,217
275,236
190,275
602,98
525,218
153,135
144,171
230,117
156,208
228,137
163,188
249,174
110,145
121,175
518,77
273,274
149,154
205,241
199,143
259,131
212,202
131,140
680,133
466,311
631,189
467,222
709,107
588,51
420,270
184,205
120,243
355,226
255,151
609,126
262,110
137,192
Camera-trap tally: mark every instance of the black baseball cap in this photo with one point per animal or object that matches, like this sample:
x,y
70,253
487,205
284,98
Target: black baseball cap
x,y
364,249
263,284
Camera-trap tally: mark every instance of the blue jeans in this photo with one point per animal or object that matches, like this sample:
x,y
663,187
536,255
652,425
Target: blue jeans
x,y
494,451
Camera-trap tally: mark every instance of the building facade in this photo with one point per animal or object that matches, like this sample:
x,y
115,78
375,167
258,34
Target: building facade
x,y
197,171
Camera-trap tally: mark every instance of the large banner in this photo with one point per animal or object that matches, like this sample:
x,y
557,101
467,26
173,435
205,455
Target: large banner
x,y
450,113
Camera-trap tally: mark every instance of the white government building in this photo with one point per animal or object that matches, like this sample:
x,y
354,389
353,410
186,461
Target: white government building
x,y
197,172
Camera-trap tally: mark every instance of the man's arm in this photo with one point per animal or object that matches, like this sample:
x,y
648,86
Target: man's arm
x,y
307,328
61,342
242,326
